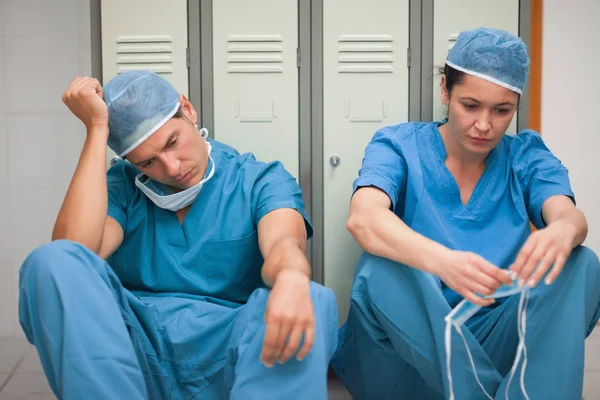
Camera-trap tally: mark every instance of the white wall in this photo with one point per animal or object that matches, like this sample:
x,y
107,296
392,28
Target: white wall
x,y
43,45
570,105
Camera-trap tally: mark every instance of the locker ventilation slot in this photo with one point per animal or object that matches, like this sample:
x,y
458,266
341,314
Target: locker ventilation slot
x,y
255,54
152,53
365,54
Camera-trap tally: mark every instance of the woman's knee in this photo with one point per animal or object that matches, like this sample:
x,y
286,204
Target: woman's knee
x,y
584,261
381,278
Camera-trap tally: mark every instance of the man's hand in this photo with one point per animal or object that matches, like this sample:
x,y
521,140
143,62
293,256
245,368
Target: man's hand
x,y
289,316
84,97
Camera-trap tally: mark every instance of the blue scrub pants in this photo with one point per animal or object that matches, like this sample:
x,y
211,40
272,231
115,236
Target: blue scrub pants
x,y
392,345
97,340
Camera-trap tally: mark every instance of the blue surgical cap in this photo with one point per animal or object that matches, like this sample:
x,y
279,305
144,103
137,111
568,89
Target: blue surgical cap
x,y
491,54
139,103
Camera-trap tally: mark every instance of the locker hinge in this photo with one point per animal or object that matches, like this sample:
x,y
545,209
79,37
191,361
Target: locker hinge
x,y
187,57
408,57
298,57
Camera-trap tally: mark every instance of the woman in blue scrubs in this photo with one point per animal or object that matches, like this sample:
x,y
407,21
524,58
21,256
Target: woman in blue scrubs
x,y
443,212
181,273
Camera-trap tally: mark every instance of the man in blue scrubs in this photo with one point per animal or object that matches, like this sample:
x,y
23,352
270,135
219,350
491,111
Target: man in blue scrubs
x,y
443,210
179,274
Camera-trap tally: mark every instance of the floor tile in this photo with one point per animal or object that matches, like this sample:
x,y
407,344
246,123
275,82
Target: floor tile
x,y
591,385
11,351
592,354
337,391
27,387
31,363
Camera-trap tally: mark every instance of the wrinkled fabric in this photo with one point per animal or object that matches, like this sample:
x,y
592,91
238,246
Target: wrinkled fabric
x,y
98,340
392,345
492,54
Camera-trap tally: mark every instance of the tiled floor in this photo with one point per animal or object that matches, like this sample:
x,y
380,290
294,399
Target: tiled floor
x,y
22,378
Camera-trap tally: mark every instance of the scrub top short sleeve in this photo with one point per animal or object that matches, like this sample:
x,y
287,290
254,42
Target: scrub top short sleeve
x,y
542,175
117,181
275,188
383,165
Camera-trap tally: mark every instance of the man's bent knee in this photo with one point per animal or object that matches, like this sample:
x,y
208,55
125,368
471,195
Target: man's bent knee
x,y
53,260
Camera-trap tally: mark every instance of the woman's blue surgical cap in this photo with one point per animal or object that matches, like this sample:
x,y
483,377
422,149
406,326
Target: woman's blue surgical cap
x,y
139,103
491,54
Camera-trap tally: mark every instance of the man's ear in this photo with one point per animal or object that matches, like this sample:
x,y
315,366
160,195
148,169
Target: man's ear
x,y
188,109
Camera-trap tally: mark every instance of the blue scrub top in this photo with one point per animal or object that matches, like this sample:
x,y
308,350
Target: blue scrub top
x,y
214,254
406,161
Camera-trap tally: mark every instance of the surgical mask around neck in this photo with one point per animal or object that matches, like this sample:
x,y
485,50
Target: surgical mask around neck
x,y
465,310
166,198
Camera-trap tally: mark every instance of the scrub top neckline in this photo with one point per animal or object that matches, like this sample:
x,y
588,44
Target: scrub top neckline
x,y
180,233
449,182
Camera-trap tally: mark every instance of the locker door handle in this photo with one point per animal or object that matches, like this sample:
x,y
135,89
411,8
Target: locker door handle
x,y
334,161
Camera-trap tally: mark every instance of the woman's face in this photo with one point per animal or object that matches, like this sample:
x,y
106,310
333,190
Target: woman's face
x,y
479,112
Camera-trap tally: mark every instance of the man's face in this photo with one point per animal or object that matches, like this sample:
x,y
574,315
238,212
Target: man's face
x,y
175,155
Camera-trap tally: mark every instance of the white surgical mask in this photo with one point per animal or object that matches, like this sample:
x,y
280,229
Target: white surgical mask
x,y
166,198
465,310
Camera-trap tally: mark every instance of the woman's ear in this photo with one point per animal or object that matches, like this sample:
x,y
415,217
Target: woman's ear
x,y
188,109
445,96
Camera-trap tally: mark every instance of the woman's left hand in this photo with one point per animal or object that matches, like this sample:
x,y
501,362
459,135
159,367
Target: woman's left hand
x,y
545,248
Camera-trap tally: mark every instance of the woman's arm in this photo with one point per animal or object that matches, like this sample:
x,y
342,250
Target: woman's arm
x,y
380,232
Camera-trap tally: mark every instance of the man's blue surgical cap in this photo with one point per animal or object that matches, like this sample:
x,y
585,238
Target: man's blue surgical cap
x,y
491,54
139,103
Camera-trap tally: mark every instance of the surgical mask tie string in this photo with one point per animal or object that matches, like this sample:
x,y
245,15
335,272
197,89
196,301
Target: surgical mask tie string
x,y
463,311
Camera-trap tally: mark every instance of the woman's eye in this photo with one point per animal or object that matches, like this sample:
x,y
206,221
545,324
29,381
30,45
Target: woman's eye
x,y
173,143
470,106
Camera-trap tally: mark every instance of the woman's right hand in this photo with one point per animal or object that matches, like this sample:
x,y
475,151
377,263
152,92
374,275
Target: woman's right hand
x,y
471,276
84,98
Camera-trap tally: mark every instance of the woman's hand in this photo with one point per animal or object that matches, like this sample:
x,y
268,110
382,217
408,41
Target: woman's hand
x,y
470,274
543,249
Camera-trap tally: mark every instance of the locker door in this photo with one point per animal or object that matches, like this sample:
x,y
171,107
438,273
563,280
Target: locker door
x,y
365,88
145,35
256,78
452,16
